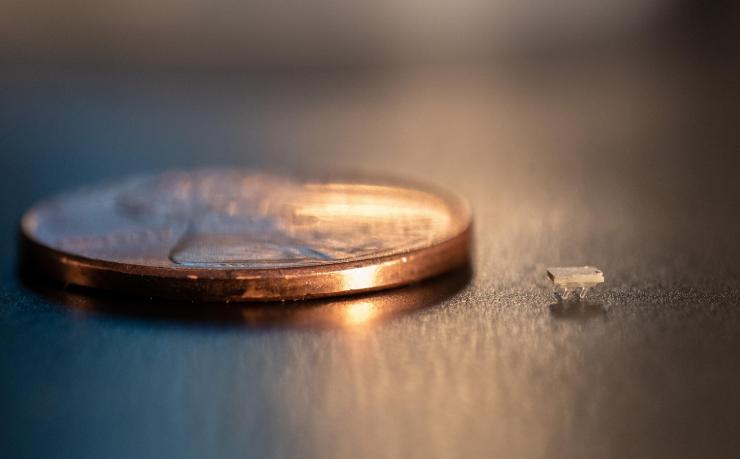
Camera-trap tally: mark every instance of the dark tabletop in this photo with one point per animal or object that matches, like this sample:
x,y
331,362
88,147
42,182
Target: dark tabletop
x,y
627,164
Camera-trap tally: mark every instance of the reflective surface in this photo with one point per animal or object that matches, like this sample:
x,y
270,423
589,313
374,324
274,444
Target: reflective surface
x,y
238,235
241,220
629,166
363,310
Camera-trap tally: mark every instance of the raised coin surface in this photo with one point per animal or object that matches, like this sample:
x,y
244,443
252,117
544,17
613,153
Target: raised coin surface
x,y
230,235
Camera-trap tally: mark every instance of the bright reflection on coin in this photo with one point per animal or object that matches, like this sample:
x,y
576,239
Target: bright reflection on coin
x,y
352,312
231,235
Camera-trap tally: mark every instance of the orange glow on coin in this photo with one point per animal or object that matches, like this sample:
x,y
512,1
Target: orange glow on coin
x,y
359,278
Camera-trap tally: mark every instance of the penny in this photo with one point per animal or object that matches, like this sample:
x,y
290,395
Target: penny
x,y
234,235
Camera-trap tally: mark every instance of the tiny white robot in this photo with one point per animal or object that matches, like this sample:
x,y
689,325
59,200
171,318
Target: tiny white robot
x,y
574,282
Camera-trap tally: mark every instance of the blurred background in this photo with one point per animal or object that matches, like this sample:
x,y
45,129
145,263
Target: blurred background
x,y
518,89
226,35
597,132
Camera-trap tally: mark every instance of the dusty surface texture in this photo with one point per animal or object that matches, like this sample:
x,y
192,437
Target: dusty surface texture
x,y
627,166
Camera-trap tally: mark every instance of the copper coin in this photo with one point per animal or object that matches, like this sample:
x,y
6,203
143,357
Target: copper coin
x,y
233,235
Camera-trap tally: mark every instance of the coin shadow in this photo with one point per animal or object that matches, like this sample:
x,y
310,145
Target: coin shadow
x,y
338,312
578,310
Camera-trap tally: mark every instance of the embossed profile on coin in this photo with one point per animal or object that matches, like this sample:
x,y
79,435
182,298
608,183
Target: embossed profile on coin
x,y
240,235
